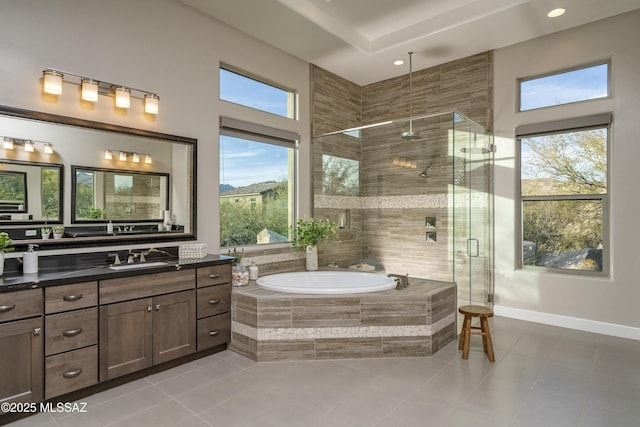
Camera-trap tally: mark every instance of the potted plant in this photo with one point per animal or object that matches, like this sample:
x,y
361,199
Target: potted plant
x,y
45,232
239,274
307,235
58,231
5,242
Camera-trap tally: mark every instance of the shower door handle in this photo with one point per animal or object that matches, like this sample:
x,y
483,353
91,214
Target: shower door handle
x,y
469,244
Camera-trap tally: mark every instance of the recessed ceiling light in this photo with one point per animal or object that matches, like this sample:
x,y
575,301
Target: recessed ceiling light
x,y
398,62
556,12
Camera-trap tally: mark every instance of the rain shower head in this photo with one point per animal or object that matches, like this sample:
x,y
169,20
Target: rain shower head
x,y
410,135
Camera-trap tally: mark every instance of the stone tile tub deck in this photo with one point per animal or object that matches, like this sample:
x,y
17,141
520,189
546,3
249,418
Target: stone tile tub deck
x,y
269,325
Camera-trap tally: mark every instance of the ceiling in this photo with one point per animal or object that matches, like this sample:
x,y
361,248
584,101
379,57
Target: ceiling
x,y
360,39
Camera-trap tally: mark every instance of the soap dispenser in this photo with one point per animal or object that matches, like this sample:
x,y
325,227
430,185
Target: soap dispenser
x,y
110,227
30,260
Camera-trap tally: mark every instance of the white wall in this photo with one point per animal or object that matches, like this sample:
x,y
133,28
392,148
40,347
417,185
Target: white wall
x,y
606,304
156,45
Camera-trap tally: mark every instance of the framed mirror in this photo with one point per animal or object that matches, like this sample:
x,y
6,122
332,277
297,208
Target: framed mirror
x,y
143,182
30,192
118,195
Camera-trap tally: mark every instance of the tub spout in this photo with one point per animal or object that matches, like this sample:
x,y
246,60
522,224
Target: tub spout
x,y
402,282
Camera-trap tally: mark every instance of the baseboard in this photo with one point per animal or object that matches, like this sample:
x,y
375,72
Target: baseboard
x,y
594,326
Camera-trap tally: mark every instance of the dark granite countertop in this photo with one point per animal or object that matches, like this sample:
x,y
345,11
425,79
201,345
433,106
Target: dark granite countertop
x,y
76,268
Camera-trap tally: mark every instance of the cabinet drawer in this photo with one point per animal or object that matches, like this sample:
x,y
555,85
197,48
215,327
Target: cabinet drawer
x,y
214,300
71,371
20,304
214,275
214,330
71,330
147,285
70,297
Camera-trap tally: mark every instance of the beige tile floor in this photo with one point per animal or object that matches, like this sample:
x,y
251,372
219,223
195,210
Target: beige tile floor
x,y
543,376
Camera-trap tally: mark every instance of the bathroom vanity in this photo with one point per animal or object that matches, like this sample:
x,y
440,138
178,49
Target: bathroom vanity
x,y
72,329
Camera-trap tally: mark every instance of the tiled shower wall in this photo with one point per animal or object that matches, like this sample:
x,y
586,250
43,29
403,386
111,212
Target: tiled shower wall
x,y
387,218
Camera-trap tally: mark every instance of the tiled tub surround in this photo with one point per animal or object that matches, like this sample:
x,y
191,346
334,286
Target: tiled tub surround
x,y
416,321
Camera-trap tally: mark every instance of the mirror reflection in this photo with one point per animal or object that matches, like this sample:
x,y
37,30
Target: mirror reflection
x,y
30,192
81,174
118,195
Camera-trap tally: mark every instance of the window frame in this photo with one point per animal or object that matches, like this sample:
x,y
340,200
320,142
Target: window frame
x,y
558,72
599,121
266,135
292,93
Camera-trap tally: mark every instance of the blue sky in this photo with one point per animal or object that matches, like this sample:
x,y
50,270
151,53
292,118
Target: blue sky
x,y
573,86
244,162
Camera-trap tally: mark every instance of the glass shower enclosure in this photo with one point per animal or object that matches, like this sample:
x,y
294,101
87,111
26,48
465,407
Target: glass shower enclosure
x,y
417,203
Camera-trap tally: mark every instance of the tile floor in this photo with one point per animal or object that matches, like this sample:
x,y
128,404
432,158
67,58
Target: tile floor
x,y
543,376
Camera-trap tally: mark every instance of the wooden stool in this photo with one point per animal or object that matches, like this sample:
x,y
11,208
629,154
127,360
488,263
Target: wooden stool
x,y
471,311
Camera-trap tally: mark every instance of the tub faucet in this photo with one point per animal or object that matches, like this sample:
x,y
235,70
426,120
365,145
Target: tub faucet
x,y
402,282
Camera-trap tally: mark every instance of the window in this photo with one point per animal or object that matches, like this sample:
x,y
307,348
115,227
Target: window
x,y
257,183
239,88
564,194
563,88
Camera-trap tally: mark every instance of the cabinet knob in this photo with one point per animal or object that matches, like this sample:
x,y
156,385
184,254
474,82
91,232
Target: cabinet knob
x,y
71,298
214,333
157,307
72,332
72,374
5,308
148,308
214,276
214,301
37,331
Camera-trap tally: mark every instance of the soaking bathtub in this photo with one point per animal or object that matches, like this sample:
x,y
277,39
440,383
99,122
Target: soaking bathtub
x,y
327,282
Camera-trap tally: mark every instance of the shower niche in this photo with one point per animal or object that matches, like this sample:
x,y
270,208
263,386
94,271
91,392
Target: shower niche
x,y
419,206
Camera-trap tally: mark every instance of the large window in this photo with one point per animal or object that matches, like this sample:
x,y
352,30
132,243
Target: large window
x,y
576,85
564,194
257,183
240,88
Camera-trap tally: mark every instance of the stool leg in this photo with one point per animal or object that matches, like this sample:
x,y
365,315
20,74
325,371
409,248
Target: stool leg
x,y
483,319
467,338
487,338
461,340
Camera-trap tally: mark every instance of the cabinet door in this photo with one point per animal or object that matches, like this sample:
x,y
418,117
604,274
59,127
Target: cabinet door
x,y
174,326
125,337
21,355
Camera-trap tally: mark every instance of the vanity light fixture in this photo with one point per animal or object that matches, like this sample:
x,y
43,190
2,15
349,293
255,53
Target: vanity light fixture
x,y
48,148
135,158
29,147
91,89
7,143
108,154
122,156
147,159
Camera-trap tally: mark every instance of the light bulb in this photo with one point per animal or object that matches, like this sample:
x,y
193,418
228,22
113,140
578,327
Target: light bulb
x,y
123,98
151,102
7,143
108,155
89,90
53,82
28,146
136,158
122,156
148,159
48,148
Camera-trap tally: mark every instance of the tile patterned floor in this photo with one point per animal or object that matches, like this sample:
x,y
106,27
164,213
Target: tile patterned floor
x,y
543,376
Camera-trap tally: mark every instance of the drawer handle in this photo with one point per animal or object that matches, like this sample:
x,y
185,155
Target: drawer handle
x,y
72,374
5,308
214,276
72,332
214,333
214,301
71,298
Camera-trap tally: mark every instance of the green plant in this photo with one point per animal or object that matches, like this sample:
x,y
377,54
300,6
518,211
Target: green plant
x,y
237,255
45,231
310,232
58,229
5,242
92,212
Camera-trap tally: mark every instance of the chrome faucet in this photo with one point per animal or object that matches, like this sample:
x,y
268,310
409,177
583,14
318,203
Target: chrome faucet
x,y
133,255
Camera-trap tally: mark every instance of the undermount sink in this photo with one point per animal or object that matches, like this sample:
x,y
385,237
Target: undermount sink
x,y
138,265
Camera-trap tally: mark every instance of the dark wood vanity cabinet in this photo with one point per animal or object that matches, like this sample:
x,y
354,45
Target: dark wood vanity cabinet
x,y
71,338
141,332
214,305
21,346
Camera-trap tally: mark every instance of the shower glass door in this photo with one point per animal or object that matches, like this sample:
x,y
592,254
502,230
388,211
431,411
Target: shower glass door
x,y
472,155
